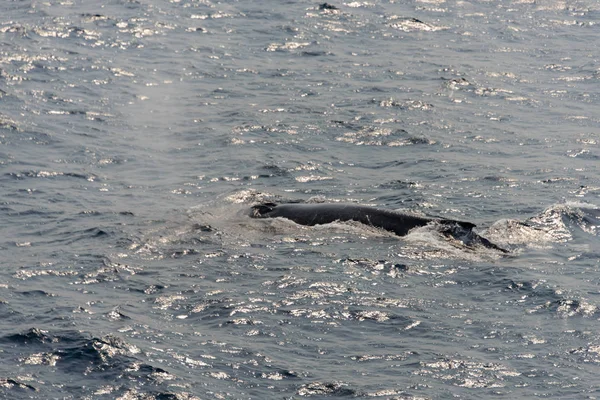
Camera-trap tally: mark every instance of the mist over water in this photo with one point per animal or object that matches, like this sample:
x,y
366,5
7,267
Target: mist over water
x,y
135,135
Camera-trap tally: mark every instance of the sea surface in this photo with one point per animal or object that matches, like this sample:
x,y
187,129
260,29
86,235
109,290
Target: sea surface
x,y
136,134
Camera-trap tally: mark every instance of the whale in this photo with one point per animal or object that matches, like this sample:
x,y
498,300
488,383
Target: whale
x,y
311,214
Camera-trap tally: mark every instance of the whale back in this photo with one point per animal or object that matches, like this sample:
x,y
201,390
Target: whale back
x,y
399,223
324,213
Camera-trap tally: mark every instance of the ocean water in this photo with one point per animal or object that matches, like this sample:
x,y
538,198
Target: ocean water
x,y
136,134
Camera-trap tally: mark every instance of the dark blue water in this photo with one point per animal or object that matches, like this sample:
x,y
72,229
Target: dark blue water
x,y
134,135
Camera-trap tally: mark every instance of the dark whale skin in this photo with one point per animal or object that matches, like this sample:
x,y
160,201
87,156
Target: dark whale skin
x,y
399,223
325,213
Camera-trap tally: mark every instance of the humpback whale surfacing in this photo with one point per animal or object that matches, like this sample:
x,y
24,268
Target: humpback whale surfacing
x,y
392,221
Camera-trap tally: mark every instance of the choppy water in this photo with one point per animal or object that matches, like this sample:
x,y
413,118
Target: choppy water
x,y
134,134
